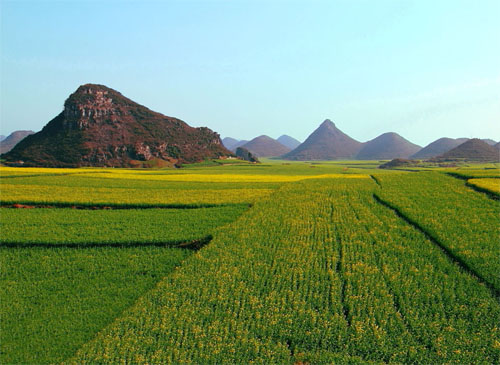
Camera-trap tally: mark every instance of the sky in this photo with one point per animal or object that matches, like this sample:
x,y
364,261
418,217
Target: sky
x,y
424,69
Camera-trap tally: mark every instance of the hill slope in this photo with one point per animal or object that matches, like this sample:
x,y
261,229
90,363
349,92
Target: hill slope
x,y
438,147
387,147
327,142
239,144
14,138
288,141
232,144
473,150
489,141
229,142
264,146
101,127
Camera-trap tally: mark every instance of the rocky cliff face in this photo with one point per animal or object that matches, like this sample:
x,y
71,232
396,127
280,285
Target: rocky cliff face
x,y
101,127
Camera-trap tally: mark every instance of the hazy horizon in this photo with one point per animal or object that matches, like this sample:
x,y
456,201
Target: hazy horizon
x,y
422,69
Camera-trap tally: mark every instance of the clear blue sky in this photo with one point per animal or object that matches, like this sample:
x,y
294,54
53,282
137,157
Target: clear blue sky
x,y
424,69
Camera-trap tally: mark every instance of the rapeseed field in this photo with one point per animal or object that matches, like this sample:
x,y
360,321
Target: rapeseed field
x,y
312,262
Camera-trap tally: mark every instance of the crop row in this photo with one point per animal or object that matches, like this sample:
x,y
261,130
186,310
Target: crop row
x,y
319,273
464,221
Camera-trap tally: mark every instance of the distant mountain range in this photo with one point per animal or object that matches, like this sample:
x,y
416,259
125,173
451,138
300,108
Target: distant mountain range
x,y
262,144
265,146
328,142
288,141
438,147
101,127
472,150
8,143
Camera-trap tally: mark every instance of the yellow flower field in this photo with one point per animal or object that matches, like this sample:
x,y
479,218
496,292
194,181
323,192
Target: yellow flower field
x,y
20,171
41,194
189,177
492,185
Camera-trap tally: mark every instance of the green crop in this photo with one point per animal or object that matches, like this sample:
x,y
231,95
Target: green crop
x,y
464,221
62,279
321,272
52,226
326,265
56,299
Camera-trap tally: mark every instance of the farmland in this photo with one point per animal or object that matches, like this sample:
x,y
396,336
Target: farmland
x,y
304,262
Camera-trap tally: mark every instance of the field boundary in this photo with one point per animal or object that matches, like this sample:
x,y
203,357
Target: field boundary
x,y
489,193
194,245
451,255
377,181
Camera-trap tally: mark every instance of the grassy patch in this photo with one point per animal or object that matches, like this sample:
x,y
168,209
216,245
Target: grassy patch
x,y
56,299
127,227
70,282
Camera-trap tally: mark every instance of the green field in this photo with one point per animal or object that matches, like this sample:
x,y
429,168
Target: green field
x,y
317,262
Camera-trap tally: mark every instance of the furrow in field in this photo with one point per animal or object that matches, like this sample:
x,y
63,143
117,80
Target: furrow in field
x,y
465,223
447,252
366,223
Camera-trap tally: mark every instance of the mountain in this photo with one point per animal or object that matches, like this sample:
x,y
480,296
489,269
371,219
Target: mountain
x,y
239,144
387,146
101,127
438,147
327,142
399,162
246,155
264,146
497,145
2,137
474,150
232,144
489,141
288,141
229,142
14,138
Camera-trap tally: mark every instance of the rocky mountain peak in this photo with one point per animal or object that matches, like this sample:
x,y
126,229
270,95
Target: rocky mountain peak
x,y
94,104
328,124
101,127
